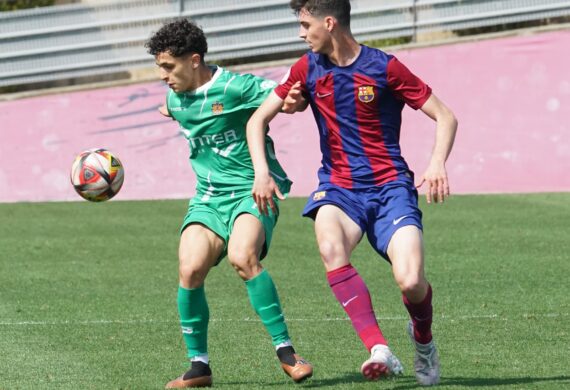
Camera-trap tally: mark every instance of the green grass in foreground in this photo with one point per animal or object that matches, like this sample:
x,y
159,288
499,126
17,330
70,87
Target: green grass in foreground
x,y
88,298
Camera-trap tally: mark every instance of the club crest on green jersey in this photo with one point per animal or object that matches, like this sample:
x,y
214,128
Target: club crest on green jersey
x,y
217,108
266,84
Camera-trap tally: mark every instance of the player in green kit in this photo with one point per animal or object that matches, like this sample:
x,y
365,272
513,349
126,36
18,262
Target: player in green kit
x,y
212,106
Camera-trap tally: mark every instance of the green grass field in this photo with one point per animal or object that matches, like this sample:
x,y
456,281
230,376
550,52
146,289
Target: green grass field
x,y
88,299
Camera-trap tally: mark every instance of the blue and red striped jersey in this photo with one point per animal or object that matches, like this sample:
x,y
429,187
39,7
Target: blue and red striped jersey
x,y
358,110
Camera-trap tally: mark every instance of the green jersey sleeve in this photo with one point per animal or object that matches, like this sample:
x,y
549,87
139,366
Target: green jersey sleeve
x,y
255,90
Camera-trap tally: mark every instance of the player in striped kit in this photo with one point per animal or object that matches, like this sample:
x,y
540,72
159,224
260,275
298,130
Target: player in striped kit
x,y
357,94
212,107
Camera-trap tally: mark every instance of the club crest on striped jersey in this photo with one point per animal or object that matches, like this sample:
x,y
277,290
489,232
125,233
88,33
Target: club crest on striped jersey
x,y
319,195
217,108
366,93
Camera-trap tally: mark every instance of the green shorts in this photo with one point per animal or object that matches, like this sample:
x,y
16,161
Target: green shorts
x,y
219,215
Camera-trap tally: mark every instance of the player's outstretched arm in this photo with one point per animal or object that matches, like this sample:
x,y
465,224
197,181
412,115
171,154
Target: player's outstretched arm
x,y
435,175
264,187
295,101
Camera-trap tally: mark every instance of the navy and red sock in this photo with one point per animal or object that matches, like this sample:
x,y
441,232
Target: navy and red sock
x,y
422,315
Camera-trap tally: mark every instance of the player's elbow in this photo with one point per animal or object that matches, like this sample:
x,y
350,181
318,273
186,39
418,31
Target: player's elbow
x,y
451,119
446,116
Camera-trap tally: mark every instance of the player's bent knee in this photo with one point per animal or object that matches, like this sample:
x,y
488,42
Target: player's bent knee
x,y
329,250
245,262
408,285
247,271
412,284
242,256
190,275
333,255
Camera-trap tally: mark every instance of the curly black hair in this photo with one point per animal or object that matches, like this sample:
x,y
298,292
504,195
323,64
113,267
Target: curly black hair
x,y
340,9
178,38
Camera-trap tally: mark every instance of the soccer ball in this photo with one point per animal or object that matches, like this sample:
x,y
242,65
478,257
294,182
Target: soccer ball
x,y
97,175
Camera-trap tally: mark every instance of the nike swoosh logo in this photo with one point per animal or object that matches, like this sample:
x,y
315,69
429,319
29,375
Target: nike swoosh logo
x,y
344,304
397,221
322,95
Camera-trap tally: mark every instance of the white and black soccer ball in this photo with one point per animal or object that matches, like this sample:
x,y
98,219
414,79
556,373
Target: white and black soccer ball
x,y
97,175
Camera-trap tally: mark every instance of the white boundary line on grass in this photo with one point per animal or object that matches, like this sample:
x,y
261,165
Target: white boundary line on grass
x,y
255,319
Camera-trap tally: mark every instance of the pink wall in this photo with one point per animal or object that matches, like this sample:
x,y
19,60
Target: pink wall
x,y
511,95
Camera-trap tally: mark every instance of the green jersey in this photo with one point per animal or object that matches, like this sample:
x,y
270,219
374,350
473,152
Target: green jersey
x,y
213,119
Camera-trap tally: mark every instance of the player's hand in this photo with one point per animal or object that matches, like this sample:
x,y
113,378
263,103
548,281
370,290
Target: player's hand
x,y
264,188
294,101
164,111
435,178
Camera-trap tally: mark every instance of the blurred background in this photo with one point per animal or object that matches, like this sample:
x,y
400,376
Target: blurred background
x,y
75,75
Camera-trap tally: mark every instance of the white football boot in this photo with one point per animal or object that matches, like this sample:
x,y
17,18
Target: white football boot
x,y
426,361
382,363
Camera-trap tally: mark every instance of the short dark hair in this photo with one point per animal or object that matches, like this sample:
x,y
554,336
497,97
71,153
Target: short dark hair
x,y
340,9
178,37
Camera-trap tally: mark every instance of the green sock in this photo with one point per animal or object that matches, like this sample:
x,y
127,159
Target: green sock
x,y
194,316
264,299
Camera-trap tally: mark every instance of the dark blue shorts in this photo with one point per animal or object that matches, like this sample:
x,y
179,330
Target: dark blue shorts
x,y
379,211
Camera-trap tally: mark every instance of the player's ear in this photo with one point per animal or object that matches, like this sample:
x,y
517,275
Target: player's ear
x,y
330,23
196,60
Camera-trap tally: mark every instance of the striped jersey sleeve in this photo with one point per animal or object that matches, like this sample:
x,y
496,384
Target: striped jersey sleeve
x,y
297,72
407,86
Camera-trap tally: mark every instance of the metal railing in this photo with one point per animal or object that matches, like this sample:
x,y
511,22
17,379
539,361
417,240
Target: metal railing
x,y
103,37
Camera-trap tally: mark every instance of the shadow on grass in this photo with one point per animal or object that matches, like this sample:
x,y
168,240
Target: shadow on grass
x,y
350,379
485,382
309,383
406,382
345,379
